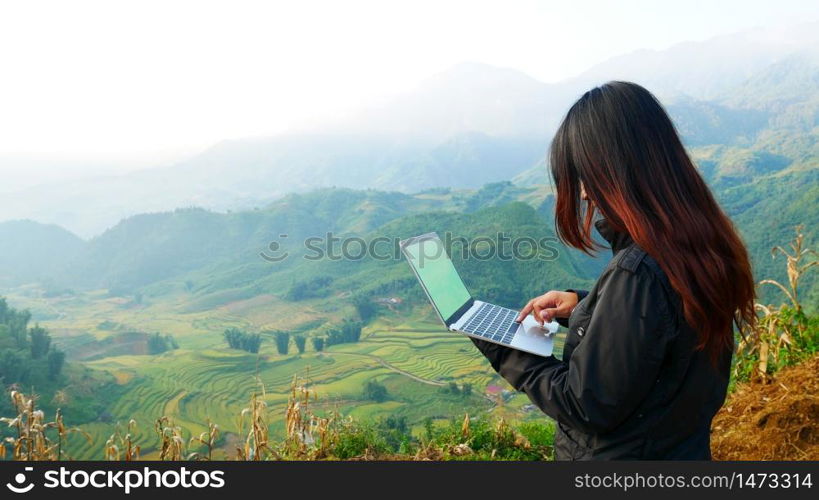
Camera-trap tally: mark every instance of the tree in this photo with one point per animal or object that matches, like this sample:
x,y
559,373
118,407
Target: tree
x,y
233,336
352,330
397,423
313,288
466,389
237,339
40,341
251,342
12,367
453,388
17,322
56,360
282,341
300,340
364,306
348,331
158,344
318,344
375,391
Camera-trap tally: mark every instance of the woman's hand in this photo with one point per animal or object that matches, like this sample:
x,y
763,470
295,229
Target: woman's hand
x,y
549,306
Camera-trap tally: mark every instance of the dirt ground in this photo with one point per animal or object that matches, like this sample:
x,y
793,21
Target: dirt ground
x,y
775,421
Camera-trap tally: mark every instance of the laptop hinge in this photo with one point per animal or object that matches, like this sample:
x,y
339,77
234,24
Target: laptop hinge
x,y
460,312
456,326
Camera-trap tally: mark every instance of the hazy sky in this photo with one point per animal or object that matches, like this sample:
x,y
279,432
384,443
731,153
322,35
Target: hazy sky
x,y
137,80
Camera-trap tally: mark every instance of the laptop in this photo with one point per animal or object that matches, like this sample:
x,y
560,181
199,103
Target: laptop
x,y
460,312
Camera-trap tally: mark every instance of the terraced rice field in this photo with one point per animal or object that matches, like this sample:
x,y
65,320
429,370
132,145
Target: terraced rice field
x,y
215,384
205,381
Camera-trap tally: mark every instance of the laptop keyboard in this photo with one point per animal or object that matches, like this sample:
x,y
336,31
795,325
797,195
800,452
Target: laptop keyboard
x,y
493,323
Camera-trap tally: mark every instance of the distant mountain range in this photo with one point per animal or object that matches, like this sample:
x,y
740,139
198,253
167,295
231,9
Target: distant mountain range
x,y
450,147
216,257
465,127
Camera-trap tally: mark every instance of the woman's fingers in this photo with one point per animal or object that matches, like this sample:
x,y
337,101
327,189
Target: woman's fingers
x,y
550,305
525,311
537,306
549,314
547,307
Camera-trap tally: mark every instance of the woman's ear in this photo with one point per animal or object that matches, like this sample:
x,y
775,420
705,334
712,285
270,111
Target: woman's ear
x,y
583,195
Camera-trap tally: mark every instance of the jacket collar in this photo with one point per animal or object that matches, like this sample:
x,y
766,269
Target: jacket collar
x,y
616,239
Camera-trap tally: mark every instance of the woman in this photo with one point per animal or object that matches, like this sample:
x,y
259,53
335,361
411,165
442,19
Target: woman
x,y
647,355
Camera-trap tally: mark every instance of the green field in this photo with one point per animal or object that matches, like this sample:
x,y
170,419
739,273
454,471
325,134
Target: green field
x,y
204,380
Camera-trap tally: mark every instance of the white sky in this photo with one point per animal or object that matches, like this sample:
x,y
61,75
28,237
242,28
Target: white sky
x,y
142,80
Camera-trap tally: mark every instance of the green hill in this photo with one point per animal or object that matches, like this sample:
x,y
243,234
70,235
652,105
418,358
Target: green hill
x,y
34,252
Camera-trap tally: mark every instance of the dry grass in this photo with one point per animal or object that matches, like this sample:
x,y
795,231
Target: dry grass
x,y
771,421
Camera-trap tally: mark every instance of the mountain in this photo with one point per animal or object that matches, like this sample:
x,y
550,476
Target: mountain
x,y
250,173
218,257
148,248
468,97
708,69
467,126
35,252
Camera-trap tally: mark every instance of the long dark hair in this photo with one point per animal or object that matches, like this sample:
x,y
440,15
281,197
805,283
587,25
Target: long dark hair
x,y
619,142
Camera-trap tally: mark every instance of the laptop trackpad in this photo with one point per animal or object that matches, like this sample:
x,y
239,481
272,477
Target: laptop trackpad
x,y
532,327
533,338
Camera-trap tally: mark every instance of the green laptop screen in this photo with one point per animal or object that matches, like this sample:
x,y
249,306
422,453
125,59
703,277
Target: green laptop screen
x,y
430,260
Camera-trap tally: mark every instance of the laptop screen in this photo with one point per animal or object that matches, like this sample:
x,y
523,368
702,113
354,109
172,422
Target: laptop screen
x,y
427,255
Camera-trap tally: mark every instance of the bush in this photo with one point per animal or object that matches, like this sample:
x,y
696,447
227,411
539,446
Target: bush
x,y
375,391
496,440
356,440
157,344
310,289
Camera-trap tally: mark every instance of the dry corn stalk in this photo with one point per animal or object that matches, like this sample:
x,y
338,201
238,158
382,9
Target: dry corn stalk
x,y
257,445
119,447
308,435
773,332
208,439
30,440
465,427
171,443
795,266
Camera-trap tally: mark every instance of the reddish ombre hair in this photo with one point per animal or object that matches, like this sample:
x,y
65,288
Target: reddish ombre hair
x,y
618,141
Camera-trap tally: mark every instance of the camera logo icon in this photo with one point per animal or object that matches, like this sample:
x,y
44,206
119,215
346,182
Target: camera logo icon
x,y
20,479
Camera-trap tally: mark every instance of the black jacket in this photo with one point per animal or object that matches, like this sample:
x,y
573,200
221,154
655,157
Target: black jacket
x,y
631,384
